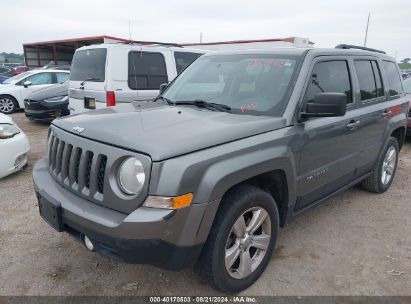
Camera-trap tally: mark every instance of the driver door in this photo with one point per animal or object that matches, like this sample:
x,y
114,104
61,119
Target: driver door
x,y
329,152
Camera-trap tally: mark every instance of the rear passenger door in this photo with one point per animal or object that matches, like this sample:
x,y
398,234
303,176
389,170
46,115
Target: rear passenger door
x,y
146,72
372,112
329,153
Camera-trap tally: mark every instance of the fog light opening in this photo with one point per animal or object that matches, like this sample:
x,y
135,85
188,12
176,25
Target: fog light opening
x,y
20,161
89,244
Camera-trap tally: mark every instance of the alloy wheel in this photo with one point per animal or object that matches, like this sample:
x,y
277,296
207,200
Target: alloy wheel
x,y
247,242
388,165
6,105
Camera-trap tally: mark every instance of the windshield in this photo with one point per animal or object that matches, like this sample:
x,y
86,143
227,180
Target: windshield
x,y
250,84
17,78
89,64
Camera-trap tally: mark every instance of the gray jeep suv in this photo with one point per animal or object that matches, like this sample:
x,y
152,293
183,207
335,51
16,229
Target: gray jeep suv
x,y
234,148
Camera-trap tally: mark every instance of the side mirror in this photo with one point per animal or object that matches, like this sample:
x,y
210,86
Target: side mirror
x,y
163,87
27,83
327,105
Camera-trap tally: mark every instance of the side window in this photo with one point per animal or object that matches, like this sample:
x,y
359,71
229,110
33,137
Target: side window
x,y
184,59
369,79
40,78
393,77
146,71
329,76
378,78
62,77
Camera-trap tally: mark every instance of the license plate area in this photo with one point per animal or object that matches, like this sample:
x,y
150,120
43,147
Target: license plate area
x,y
51,213
89,103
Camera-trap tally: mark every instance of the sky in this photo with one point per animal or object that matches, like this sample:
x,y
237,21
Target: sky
x,y
326,23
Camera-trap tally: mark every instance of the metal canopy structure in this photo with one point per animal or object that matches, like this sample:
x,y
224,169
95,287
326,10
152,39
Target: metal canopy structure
x,y
60,52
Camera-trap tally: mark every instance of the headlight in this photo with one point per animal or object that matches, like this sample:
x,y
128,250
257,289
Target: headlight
x,y
8,131
131,176
57,99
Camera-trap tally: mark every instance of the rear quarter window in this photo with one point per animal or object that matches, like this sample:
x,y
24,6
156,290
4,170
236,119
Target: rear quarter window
x,y
393,78
89,64
184,59
146,71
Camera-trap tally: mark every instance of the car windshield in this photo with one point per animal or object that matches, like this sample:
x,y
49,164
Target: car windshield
x,y
248,84
18,77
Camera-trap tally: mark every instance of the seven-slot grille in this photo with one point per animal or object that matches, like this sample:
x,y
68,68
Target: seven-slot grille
x,y
80,169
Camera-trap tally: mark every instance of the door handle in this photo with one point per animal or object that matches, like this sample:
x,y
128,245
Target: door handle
x,y
353,124
386,113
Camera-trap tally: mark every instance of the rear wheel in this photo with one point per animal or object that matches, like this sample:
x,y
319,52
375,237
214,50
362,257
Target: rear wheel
x,y
241,240
383,173
8,104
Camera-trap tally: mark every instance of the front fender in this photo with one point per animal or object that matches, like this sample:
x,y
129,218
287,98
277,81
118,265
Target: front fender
x,y
211,172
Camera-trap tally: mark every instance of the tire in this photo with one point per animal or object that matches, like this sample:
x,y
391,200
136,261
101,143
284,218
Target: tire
x,y
8,104
379,181
248,203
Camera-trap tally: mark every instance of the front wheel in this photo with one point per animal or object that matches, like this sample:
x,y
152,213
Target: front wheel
x,y
241,240
7,104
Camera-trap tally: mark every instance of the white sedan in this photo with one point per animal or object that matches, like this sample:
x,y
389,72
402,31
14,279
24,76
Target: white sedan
x,y
14,147
15,89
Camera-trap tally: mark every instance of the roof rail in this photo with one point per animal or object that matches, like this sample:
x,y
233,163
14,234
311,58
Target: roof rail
x,y
148,43
349,46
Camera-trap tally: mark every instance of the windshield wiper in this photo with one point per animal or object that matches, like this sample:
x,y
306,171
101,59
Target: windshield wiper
x,y
205,104
89,79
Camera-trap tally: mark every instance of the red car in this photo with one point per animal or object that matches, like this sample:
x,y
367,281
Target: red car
x,y
407,87
19,69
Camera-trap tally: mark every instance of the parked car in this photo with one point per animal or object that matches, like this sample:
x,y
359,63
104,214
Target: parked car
x,y
407,88
234,148
20,69
48,103
65,67
6,71
106,74
14,90
3,78
14,147
405,75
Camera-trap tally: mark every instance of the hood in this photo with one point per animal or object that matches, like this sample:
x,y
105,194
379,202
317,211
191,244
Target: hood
x,y
51,91
6,119
164,131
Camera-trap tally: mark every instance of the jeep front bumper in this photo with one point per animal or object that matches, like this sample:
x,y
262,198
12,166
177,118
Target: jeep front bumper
x,y
170,239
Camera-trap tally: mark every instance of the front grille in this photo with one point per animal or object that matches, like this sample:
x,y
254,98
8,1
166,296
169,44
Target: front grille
x,y
101,174
89,160
76,167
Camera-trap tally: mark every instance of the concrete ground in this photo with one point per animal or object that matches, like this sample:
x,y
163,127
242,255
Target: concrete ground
x,y
356,243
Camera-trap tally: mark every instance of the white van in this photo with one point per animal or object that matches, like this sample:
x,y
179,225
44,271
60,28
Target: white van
x,y
106,74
